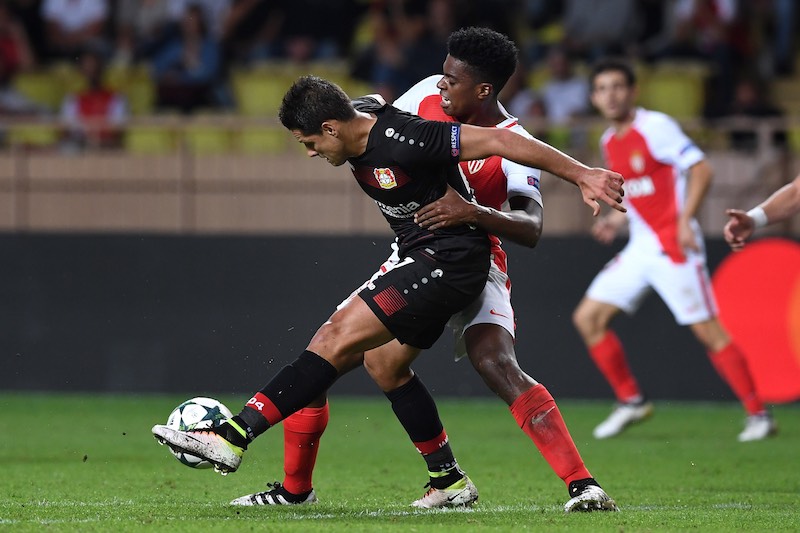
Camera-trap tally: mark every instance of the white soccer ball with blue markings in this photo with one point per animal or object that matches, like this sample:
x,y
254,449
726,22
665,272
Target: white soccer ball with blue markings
x,y
197,413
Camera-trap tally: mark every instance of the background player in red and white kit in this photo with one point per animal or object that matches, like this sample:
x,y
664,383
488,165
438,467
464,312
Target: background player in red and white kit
x,y
667,177
479,63
781,205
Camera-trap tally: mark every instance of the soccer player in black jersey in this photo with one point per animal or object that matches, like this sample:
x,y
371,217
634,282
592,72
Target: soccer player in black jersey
x,y
403,163
478,64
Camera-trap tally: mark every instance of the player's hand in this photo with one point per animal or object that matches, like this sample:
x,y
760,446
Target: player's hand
x,y
686,237
449,210
601,185
604,230
738,229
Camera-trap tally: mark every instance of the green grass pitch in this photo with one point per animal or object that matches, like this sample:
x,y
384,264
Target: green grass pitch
x,y
89,463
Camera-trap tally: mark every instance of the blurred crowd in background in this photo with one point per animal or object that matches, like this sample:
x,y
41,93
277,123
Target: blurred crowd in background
x,y
109,60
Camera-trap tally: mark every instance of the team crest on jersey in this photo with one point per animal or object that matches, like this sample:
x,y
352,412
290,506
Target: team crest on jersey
x,y
475,166
385,178
637,162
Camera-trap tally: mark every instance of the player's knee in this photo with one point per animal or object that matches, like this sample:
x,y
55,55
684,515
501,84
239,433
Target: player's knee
x,y
582,320
387,377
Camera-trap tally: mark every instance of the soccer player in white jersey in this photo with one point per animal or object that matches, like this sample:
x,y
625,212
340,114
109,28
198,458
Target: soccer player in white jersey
x,y
666,179
478,65
781,205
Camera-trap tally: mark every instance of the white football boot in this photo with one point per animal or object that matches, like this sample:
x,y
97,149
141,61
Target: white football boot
x,y
462,493
277,495
758,427
623,415
203,443
591,498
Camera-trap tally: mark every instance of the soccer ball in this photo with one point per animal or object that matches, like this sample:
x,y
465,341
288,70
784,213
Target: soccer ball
x,y
197,413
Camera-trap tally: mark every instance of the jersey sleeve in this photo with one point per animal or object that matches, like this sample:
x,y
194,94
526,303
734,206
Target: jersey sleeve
x,y
669,144
428,141
411,100
522,181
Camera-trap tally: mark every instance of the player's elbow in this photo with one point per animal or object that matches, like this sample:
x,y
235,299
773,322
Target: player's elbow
x,y
532,235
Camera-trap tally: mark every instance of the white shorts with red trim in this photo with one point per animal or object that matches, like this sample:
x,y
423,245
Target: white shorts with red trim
x,y
684,287
493,306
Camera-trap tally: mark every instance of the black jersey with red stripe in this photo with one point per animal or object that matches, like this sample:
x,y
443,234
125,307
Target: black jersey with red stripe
x,y
407,164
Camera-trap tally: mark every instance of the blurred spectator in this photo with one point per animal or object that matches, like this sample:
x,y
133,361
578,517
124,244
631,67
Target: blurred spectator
x,y
186,70
543,19
750,101
564,95
248,21
29,14
712,31
74,25
214,13
143,26
598,28
94,116
303,30
405,48
519,99
784,23
15,48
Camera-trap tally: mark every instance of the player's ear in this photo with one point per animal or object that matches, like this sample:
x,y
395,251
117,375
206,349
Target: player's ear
x,y
329,128
485,90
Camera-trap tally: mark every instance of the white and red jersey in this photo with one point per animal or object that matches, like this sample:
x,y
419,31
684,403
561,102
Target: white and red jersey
x,y
654,156
494,179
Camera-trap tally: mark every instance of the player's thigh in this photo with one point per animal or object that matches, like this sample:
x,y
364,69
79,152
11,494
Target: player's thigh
x,y
493,306
685,288
390,365
622,283
352,330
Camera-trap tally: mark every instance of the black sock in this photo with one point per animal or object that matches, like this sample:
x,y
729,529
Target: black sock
x,y
294,387
578,486
415,409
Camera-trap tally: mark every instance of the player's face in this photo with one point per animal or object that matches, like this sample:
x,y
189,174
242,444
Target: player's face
x,y
325,145
612,95
458,89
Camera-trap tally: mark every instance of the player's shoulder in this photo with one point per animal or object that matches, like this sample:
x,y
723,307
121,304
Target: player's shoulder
x,y
650,121
370,103
425,87
519,129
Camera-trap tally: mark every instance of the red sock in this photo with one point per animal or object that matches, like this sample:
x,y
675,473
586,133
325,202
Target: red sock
x,y
301,434
732,366
609,356
537,414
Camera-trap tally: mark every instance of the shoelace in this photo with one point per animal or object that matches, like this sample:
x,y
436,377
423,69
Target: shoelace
x,y
274,486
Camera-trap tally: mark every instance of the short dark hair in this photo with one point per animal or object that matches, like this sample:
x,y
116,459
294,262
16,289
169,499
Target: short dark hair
x,y
490,55
613,64
310,101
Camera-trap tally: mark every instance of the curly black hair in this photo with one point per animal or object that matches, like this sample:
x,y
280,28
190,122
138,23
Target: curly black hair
x,y
310,101
491,56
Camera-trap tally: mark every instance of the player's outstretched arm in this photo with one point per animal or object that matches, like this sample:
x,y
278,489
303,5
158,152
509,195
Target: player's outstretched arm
x,y
781,205
522,224
596,184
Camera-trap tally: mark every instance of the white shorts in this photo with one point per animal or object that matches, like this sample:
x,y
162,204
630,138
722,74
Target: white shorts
x,y
684,287
493,306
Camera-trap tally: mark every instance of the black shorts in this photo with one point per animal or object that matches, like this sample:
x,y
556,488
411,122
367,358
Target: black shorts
x,y
416,297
